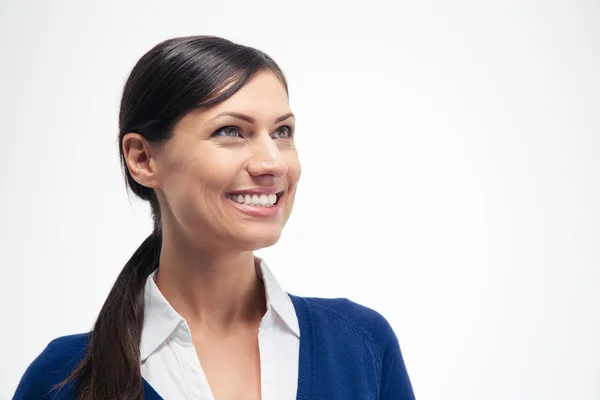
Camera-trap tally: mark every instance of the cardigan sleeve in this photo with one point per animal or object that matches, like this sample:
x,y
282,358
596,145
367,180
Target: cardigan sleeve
x,y
395,382
30,385
58,360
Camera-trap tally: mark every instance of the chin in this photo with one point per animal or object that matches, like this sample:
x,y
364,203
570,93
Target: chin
x,y
259,240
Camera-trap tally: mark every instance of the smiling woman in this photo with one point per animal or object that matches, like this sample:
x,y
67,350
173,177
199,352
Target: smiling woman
x,y
206,136
242,146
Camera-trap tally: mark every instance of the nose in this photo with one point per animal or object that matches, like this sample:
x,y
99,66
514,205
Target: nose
x,y
266,158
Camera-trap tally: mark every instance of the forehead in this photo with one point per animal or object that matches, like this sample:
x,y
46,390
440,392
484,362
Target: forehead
x,y
262,97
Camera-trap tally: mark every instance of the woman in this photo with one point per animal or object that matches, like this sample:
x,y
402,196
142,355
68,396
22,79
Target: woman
x,y
206,136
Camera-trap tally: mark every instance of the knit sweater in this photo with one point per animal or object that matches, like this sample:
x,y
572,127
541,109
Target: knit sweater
x,y
347,352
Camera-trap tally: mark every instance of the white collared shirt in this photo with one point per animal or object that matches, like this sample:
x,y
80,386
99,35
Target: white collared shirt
x,y
170,363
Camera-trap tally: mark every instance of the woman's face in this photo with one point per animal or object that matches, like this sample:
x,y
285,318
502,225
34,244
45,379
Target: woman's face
x,y
222,161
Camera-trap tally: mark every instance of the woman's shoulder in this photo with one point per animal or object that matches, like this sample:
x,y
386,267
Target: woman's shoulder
x,y
335,314
62,352
358,350
53,365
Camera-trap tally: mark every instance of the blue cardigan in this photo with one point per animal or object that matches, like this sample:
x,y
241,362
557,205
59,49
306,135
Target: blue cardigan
x,y
347,351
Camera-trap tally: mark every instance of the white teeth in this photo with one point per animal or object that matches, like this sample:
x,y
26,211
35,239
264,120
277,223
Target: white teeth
x,y
255,200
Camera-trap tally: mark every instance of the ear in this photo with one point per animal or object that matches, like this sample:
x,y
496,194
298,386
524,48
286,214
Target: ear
x,y
138,156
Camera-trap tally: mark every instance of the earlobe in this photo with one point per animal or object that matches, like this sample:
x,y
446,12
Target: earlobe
x,y
138,157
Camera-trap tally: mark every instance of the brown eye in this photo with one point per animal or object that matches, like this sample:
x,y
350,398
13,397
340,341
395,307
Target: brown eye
x,y
283,132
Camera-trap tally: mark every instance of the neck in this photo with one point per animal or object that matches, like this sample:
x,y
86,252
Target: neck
x,y
217,291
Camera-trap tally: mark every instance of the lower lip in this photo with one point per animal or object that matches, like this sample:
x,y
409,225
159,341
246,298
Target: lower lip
x,y
257,211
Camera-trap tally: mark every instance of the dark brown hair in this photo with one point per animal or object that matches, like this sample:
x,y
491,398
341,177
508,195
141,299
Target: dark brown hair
x,y
172,79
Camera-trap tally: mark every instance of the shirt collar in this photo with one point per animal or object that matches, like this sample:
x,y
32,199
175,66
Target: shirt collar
x,y
161,320
276,298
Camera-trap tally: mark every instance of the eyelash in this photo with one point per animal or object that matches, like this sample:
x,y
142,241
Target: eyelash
x,y
288,127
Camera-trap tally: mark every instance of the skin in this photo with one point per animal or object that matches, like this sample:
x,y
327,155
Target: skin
x,y
206,268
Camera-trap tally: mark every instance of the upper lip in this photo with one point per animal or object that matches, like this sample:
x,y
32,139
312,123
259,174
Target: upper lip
x,y
257,191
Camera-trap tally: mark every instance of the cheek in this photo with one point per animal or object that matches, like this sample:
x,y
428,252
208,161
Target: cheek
x,y
193,183
294,173
294,169
204,171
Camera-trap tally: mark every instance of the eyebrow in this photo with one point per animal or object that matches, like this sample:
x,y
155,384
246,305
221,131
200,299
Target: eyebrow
x,y
252,120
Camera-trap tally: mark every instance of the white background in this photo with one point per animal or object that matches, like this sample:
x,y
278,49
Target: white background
x,y
451,175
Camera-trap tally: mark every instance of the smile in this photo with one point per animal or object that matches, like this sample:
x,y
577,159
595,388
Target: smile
x,y
254,199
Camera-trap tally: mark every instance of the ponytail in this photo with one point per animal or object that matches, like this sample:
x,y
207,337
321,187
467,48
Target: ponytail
x,y
111,366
